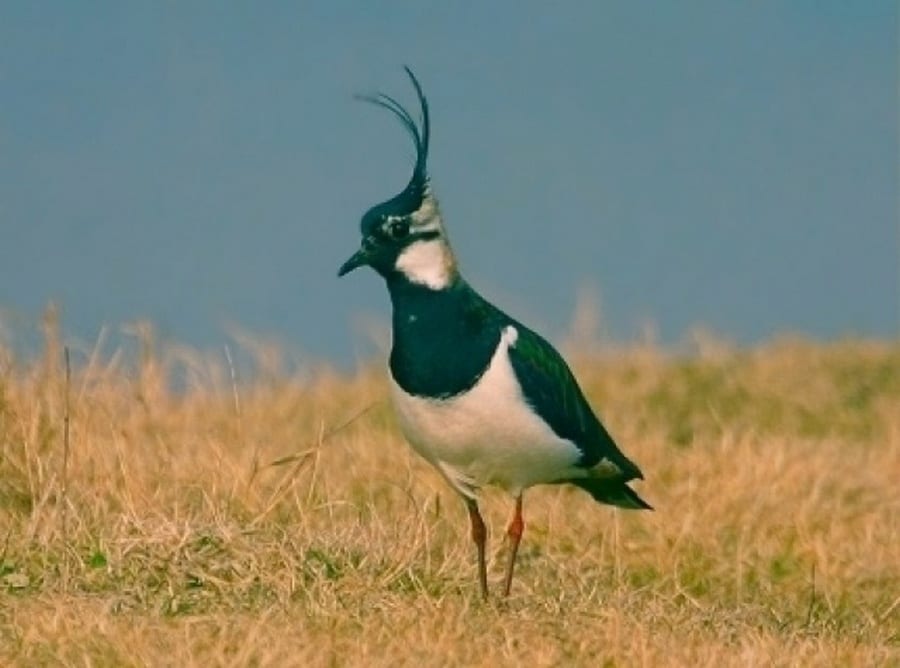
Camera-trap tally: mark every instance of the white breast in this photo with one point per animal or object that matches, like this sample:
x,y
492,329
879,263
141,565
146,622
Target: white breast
x,y
488,435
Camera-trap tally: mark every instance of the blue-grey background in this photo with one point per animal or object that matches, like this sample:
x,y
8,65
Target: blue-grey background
x,y
204,164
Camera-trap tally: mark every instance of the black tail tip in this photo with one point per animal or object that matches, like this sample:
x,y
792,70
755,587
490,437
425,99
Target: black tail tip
x,y
613,494
634,501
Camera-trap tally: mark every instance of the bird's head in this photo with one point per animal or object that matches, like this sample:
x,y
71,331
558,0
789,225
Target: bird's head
x,y
403,237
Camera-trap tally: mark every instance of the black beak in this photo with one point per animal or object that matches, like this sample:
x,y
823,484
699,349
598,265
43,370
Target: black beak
x,y
359,259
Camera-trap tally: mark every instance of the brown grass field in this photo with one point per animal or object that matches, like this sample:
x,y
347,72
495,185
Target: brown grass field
x,y
280,520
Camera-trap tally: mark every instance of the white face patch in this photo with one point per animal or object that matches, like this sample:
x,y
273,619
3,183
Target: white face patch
x,y
428,263
427,216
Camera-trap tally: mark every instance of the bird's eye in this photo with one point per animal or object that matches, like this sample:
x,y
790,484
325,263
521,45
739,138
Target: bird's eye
x,y
398,229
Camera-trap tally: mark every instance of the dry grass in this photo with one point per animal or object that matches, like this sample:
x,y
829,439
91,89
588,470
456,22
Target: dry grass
x,y
167,538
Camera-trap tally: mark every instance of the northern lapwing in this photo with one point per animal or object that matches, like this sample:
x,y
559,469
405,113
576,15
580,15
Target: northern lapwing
x,y
479,395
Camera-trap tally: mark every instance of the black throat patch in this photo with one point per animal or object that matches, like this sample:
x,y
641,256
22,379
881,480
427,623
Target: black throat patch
x,y
443,339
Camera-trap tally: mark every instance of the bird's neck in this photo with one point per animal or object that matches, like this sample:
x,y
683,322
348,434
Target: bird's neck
x,y
419,303
428,262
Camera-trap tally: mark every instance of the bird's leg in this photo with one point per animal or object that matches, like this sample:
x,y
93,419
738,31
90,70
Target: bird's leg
x,y
479,535
514,531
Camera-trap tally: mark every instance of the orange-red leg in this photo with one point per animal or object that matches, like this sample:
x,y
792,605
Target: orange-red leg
x,y
479,535
514,531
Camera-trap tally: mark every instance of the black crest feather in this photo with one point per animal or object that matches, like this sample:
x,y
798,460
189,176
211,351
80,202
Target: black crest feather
x,y
411,197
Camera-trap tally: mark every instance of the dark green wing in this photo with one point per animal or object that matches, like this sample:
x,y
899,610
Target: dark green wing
x,y
554,394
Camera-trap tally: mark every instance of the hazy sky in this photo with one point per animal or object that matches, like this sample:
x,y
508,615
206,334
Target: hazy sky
x,y
198,164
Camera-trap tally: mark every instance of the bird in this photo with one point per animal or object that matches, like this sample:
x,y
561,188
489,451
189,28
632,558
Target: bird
x,y
480,396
